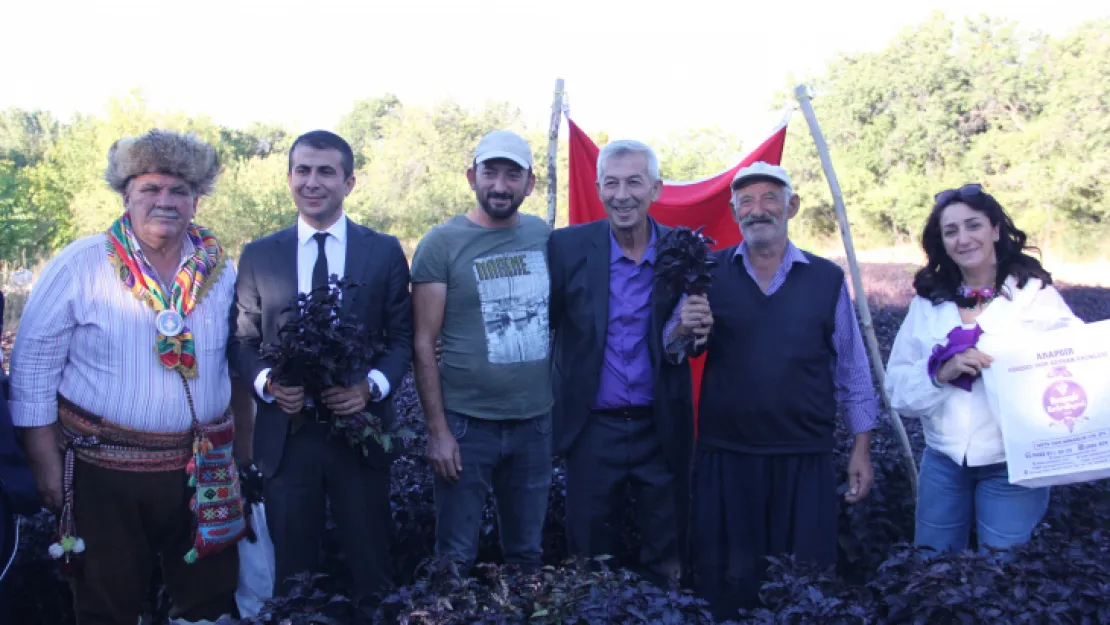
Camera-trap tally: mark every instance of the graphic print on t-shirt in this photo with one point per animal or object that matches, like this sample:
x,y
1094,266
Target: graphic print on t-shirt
x,y
513,290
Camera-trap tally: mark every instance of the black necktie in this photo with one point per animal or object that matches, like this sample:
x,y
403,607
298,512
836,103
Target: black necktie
x,y
320,270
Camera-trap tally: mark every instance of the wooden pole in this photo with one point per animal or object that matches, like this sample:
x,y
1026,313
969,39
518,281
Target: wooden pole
x,y
553,151
802,94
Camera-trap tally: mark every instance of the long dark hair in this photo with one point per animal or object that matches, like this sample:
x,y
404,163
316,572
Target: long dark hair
x,y
940,278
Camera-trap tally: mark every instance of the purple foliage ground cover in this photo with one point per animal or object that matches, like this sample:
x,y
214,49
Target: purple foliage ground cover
x,y
1062,576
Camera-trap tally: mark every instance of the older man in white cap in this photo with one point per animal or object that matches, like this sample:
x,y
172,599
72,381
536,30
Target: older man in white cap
x,y
480,283
784,356
120,382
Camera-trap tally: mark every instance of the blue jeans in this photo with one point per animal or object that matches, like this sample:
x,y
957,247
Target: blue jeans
x,y
950,497
513,457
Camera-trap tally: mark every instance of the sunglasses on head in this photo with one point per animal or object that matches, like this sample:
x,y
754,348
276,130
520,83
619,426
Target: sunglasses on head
x,y
966,192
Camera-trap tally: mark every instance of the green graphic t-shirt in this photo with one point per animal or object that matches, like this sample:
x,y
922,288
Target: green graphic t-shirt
x,y
496,341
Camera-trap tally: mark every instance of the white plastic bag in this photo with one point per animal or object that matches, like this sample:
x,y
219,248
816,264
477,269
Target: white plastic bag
x,y
1051,394
256,566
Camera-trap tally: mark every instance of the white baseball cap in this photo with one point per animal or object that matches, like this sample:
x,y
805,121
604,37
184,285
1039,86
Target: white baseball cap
x,y
504,144
760,170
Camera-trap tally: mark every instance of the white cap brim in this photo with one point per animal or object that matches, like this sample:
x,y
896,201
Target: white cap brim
x,y
506,155
758,176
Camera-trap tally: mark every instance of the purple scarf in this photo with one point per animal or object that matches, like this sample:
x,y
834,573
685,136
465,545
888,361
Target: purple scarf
x,y
959,341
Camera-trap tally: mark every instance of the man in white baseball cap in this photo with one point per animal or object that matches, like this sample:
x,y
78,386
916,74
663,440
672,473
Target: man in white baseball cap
x,y
784,356
504,144
480,283
757,171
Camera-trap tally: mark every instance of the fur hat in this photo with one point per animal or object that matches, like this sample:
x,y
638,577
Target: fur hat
x,y
163,152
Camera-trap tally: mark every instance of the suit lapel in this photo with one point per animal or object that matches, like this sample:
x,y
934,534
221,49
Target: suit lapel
x,y
285,269
358,253
597,265
661,305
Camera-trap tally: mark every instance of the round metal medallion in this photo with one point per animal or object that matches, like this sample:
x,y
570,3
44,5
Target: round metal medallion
x,y
170,323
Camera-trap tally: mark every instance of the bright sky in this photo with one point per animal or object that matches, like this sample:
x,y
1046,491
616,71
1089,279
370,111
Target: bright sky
x,y
636,69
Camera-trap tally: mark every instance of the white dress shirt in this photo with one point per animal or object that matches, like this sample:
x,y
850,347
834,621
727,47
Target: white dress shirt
x,y
85,336
958,423
335,246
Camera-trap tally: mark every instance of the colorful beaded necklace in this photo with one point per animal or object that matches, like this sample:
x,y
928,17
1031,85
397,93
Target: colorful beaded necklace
x,y
969,298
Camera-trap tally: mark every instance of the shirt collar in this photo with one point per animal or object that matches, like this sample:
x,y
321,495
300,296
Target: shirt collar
x,y
187,249
790,256
187,252
337,230
616,253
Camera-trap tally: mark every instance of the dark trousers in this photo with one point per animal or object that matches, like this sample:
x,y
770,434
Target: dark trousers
x,y
127,519
513,457
610,452
747,507
314,466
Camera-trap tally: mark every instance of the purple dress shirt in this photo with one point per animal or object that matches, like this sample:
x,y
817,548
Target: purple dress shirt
x,y
626,378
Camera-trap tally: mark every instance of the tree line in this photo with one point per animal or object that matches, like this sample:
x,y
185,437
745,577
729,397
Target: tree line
x,y
943,104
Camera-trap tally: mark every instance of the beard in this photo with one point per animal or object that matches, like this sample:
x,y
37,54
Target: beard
x,y
496,212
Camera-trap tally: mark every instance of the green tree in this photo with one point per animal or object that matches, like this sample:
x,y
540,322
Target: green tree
x,y
944,105
697,153
25,136
362,126
252,199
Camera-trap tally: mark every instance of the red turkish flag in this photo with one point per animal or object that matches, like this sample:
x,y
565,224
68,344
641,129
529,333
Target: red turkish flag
x,y
691,204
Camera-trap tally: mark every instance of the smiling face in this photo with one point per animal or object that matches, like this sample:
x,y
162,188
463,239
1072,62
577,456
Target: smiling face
x,y
627,190
968,237
762,211
161,207
500,186
318,183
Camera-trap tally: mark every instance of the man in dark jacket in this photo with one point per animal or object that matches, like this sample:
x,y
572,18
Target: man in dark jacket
x,y
622,415
18,495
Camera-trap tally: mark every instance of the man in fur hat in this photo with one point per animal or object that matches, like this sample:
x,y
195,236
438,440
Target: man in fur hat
x,y
120,384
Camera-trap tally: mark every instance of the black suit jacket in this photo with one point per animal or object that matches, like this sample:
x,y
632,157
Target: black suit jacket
x,y
578,257
267,286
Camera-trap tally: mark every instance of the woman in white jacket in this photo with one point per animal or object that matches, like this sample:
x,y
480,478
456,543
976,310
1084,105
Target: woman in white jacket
x,y
978,279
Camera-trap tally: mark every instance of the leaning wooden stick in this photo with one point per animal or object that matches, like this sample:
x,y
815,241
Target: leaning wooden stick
x,y
553,151
802,94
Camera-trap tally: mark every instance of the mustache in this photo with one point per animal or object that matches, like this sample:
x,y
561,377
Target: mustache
x,y
758,219
492,195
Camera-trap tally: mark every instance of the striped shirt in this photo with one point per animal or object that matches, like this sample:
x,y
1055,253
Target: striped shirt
x,y
85,336
855,391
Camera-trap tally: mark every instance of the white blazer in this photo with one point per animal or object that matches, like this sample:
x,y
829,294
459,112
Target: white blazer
x,y
958,423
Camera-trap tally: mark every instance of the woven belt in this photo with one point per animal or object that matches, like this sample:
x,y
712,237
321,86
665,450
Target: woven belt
x,y
106,445
203,452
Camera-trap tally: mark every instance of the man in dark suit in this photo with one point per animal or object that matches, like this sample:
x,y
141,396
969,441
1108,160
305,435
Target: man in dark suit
x,y
292,447
622,414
